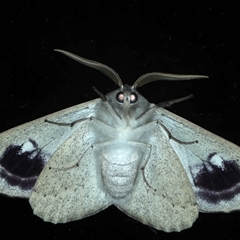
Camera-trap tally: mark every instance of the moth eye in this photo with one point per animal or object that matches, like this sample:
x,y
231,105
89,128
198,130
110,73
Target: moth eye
x,y
120,97
133,98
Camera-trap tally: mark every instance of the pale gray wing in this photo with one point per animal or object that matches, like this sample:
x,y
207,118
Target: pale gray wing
x,y
70,186
168,203
212,163
25,149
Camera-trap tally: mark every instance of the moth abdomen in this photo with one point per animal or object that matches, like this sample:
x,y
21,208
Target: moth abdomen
x,y
119,167
119,179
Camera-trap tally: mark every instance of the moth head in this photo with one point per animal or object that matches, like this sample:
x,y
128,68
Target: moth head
x,y
127,101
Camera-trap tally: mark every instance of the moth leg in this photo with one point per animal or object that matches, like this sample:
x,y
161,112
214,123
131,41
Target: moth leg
x,y
101,95
171,102
66,124
170,136
77,121
145,162
143,169
163,105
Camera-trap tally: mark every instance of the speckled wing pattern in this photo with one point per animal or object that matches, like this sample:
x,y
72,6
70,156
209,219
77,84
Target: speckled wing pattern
x,y
69,187
153,165
25,149
170,203
212,163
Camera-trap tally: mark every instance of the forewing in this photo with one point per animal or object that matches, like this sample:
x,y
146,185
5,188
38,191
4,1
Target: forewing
x,y
212,163
25,149
169,204
70,186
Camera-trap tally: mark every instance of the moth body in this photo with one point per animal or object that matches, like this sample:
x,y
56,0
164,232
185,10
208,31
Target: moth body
x,y
120,150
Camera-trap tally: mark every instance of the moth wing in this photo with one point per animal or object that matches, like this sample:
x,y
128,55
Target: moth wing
x,y
70,186
169,203
212,163
25,149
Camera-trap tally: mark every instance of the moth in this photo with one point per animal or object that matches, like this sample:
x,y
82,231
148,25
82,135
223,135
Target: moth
x,y
121,150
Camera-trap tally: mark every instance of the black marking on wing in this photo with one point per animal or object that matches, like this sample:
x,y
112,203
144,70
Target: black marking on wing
x,y
22,168
216,183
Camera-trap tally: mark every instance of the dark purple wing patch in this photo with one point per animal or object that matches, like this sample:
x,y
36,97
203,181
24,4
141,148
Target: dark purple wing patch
x,y
22,164
218,179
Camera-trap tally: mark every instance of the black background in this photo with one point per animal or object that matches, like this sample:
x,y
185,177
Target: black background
x,y
133,38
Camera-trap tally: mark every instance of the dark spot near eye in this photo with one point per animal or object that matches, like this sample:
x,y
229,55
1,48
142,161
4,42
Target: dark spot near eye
x,y
22,168
218,182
